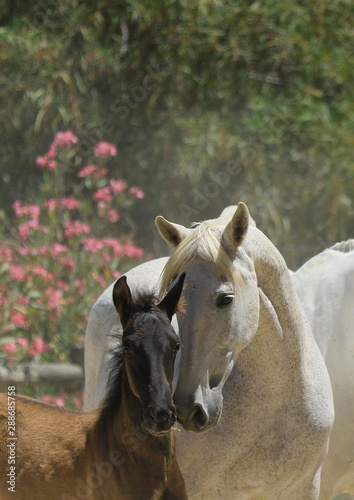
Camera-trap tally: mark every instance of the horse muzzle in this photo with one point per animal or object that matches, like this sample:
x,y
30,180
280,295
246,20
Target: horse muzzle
x,y
158,421
198,414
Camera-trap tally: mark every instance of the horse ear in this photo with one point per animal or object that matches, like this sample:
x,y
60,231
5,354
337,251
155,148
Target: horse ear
x,y
172,233
169,304
122,299
236,229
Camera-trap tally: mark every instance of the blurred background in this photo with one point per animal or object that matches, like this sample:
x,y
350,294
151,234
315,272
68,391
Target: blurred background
x,y
179,108
186,90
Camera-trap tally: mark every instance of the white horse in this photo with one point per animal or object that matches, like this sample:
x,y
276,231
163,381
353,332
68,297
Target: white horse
x,y
325,285
248,363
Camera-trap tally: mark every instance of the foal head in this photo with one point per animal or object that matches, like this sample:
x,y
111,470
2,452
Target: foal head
x,y
150,345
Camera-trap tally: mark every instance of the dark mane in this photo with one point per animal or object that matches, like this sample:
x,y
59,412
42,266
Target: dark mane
x,y
143,301
113,396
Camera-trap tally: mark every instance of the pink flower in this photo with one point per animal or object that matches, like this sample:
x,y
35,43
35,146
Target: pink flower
x,y
5,255
70,203
136,192
17,273
64,139
79,403
113,215
25,229
18,319
67,262
81,286
63,285
46,163
47,399
104,150
10,348
132,251
33,211
59,401
52,151
103,194
23,301
23,342
92,245
115,246
88,170
118,186
58,248
93,170
54,299
38,345
51,205
24,232
39,271
100,280
75,228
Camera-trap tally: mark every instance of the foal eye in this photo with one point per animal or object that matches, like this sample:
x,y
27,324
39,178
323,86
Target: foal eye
x,y
224,300
127,350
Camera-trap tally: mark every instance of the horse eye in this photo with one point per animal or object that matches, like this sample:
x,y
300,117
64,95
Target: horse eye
x,y
127,350
224,300
177,348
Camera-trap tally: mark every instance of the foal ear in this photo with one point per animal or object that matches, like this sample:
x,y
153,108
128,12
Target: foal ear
x,y
236,229
172,233
169,304
122,299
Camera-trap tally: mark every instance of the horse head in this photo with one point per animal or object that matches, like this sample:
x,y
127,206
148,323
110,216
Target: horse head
x,y
221,309
150,345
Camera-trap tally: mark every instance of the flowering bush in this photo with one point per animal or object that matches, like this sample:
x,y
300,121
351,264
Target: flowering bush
x,y
58,253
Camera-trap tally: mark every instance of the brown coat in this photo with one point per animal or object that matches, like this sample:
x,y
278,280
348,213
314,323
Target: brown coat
x,y
67,455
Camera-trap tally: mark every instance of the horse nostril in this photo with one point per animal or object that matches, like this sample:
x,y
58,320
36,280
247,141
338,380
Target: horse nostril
x,y
199,416
163,416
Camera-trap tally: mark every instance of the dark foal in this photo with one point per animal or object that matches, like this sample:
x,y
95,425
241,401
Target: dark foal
x,y
122,451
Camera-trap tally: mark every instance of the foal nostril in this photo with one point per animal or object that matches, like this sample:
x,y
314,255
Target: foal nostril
x,y
199,416
162,416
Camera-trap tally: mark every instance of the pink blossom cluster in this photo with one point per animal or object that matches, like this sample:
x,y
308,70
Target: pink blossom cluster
x,y
94,171
65,139
136,192
104,150
68,203
61,140
18,319
105,195
25,251
118,186
75,228
64,399
55,261
32,212
37,347
112,249
6,254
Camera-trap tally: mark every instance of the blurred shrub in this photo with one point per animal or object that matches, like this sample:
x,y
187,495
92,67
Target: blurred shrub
x,y
56,253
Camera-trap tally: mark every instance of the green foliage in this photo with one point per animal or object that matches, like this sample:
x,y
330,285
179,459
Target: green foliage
x,y
185,88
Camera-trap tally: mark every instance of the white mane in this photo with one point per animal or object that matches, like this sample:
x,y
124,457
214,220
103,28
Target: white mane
x,y
203,242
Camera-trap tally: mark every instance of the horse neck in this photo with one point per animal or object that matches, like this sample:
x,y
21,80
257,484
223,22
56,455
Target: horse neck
x,y
130,413
275,281
272,354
